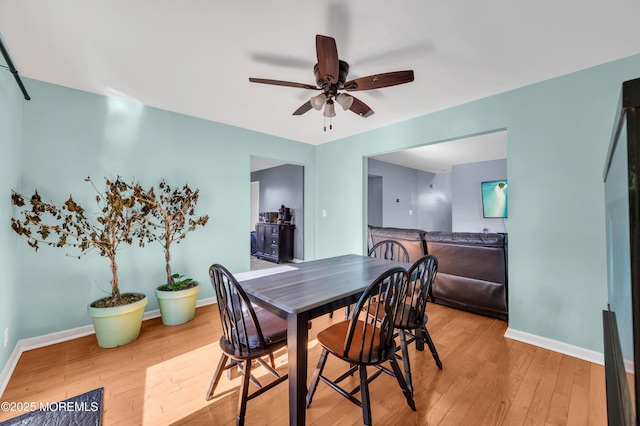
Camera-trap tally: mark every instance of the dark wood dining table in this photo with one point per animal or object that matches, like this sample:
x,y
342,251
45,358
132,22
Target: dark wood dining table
x,y
310,290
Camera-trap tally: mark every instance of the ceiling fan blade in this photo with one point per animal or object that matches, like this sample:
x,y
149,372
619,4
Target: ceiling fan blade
x,y
283,83
327,53
361,108
379,80
303,108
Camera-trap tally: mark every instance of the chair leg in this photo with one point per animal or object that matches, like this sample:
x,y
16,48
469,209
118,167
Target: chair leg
x,y
432,347
216,376
364,395
244,392
403,384
316,375
419,339
273,360
405,360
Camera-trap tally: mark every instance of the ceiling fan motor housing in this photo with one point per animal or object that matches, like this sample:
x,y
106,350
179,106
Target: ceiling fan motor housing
x,y
332,89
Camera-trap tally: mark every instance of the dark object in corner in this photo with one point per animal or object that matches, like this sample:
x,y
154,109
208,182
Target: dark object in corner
x,y
621,319
254,240
274,242
619,404
13,69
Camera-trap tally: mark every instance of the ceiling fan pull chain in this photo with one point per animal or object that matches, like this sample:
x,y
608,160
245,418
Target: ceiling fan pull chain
x,y
330,124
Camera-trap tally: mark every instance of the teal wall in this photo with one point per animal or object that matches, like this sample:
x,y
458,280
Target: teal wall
x,y
69,134
558,134
10,126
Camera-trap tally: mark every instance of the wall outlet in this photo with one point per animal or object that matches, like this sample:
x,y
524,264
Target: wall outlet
x,y
324,213
410,212
6,337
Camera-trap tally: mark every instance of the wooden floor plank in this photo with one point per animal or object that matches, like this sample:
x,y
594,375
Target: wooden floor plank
x,y
161,379
597,396
559,406
578,413
522,401
539,406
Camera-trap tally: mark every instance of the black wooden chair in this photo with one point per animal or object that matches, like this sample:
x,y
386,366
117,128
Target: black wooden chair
x,y
412,318
362,342
385,249
247,335
391,250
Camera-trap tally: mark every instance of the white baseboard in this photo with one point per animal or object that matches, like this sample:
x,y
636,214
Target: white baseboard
x,y
556,346
7,371
24,345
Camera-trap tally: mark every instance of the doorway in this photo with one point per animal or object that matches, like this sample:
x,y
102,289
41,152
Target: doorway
x,y
273,185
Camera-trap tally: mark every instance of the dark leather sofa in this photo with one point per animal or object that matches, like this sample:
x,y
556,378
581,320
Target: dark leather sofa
x,y
472,267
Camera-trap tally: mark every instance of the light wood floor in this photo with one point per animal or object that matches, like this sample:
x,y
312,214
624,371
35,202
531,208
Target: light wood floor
x,y
162,378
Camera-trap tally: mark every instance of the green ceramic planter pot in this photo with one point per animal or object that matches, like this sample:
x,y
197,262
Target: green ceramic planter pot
x,y
119,325
177,307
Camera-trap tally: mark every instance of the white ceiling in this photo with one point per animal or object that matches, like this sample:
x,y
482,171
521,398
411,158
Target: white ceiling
x,y
195,56
258,164
438,158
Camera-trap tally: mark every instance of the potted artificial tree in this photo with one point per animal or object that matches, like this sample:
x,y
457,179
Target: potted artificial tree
x,y
116,318
171,218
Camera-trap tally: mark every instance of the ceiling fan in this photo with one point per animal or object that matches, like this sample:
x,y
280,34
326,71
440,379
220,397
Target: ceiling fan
x,y
331,75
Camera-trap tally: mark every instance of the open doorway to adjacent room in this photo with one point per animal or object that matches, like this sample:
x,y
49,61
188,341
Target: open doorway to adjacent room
x,y
438,194
277,198
437,187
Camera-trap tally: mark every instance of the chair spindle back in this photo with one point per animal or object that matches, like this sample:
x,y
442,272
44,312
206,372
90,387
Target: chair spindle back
x,y
237,316
370,341
391,250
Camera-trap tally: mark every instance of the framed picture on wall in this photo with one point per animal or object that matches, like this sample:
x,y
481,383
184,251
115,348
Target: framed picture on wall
x,y
495,199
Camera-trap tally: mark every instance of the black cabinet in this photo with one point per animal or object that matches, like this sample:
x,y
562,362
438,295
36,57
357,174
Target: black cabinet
x,y
274,242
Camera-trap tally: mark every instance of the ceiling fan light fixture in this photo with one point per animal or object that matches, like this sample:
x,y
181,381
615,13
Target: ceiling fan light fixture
x,y
329,110
318,101
344,100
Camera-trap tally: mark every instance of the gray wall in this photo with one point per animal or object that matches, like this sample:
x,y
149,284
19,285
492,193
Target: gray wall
x,y
374,200
413,198
438,201
467,197
284,185
409,201
434,201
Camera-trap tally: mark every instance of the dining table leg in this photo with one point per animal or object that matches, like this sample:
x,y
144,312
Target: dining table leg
x,y
297,342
